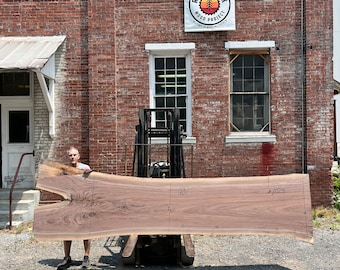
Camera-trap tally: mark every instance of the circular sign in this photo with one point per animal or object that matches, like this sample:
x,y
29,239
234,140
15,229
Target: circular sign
x,y
209,12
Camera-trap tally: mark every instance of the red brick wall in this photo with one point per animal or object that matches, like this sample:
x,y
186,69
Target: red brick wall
x,y
319,81
107,82
48,18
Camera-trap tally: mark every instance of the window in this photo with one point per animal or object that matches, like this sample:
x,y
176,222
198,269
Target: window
x,y
249,93
14,84
19,128
170,81
249,118
170,88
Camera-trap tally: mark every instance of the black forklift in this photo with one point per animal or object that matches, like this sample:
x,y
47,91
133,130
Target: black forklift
x,y
159,249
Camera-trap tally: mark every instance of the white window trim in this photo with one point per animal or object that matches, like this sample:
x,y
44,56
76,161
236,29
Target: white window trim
x,y
175,50
169,48
250,137
249,45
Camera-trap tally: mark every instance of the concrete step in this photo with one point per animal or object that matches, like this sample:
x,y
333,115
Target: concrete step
x,y
17,215
23,204
5,225
17,205
19,194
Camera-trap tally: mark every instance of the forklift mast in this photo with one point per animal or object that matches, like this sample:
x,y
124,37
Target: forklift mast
x,y
169,128
158,248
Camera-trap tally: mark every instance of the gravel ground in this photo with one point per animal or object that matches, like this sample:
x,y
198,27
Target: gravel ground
x,y
19,251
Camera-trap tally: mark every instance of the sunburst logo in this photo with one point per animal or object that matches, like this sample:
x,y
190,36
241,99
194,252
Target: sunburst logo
x,y
209,6
209,12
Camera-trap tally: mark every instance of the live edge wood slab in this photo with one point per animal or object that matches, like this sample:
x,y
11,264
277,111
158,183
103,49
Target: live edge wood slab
x,y
103,205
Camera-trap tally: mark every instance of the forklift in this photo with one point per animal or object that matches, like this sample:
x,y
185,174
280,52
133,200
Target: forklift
x,y
159,123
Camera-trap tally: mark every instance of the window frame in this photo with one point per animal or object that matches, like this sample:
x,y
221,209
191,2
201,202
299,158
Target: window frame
x,y
169,50
249,48
30,83
233,56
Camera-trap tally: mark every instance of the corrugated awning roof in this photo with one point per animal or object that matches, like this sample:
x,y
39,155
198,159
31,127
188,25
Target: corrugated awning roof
x,y
27,52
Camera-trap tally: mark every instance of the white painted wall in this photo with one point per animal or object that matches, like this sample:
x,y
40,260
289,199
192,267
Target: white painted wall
x,y
336,39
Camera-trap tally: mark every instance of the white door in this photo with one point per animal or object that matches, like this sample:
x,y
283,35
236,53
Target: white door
x,y
17,139
17,132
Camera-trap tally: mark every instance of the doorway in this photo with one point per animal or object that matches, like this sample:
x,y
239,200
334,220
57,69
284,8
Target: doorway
x,y
16,121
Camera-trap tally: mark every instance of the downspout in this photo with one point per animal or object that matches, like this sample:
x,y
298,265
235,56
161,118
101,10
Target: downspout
x,y
303,88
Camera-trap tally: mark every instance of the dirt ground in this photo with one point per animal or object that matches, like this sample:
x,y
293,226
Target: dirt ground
x,y
20,251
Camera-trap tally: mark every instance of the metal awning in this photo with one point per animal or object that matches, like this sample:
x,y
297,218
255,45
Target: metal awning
x,y
27,52
35,54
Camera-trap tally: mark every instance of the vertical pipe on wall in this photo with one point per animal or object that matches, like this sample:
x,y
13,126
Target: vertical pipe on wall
x,y
303,88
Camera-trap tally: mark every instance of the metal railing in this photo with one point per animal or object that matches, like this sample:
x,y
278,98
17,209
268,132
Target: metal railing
x,y
12,188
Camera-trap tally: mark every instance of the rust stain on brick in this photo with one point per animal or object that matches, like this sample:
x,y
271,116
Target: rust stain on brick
x,y
267,156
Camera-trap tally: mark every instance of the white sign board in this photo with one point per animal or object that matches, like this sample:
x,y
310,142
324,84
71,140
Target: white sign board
x,y
209,15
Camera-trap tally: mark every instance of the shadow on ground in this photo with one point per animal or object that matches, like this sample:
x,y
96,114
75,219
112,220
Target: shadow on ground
x,y
114,261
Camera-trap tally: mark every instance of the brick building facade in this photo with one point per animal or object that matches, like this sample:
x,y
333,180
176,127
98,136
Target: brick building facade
x,y
105,72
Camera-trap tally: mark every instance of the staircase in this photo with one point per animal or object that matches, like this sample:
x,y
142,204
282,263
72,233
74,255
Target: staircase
x,y
23,203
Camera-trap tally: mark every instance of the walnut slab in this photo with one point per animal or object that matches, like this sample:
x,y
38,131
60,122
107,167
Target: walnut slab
x,y
104,205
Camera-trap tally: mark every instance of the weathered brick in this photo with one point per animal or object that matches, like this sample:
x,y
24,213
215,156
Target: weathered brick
x,y
103,80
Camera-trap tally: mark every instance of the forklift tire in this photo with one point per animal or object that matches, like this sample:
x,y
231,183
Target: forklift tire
x,y
185,259
131,260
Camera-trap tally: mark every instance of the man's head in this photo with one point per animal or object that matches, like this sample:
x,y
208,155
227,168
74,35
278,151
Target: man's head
x,y
73,155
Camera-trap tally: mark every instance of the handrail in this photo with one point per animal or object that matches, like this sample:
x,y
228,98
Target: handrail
x,y
12,188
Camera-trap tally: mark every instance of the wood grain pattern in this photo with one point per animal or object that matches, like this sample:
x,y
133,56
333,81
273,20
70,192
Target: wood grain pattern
x,y
106,205
52,168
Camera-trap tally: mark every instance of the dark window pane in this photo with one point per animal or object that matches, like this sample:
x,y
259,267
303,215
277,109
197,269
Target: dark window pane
x,y
248,60
160,76
237,112
183,114
249,86
259,73
160,102
248,111
170,102
259,112
236,100
181,80
260,100
259,86
237,107
160,124
259,62
266,128
181,63
19,127
238,123
184,124
170,76
181,77
170,63
238,62
181,90
14,84
160,90
248,125
159,63
170,90
237,86
238,73
248,73
160,115
181,102
248,100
